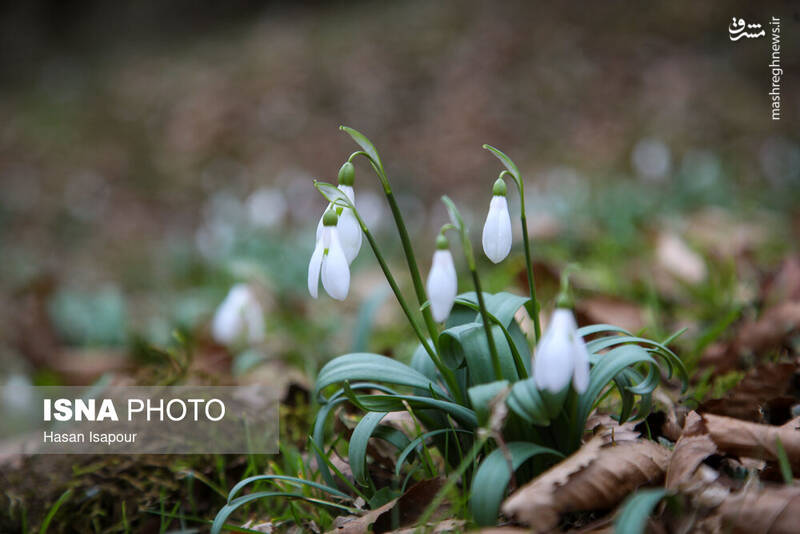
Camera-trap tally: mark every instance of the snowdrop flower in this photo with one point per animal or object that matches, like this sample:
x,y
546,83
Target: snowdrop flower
x,y
349,229
442,283
497,229
238,318
561,355
328,262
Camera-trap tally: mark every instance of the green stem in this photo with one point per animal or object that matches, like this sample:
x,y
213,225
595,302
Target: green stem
x,y
446,372
487,327
454,477
537,329
411,260
419,287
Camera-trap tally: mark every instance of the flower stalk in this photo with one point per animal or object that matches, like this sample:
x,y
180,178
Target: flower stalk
x,y
337,198
458,224
419,288
513,172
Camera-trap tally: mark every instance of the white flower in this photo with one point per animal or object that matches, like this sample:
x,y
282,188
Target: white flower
x,y
497,230
561,355
329,262
238,318
442,284
349,229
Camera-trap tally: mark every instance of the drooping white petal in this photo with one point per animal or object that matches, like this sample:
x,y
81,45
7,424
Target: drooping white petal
x,y
315,265
240,315
497,230
349,229
580,354
553,364
335,269
442,285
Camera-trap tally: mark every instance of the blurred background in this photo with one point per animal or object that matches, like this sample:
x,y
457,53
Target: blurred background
x,y
153,154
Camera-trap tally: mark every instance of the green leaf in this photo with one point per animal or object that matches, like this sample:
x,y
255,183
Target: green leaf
x,y
466,345
228,509
480,397
394,403
418,440
294,481
491,480
632,518
325,410
357,452
505,160
332,193
597,328
503,306
517,342
372,367
365,144
526,401
607,368
53,511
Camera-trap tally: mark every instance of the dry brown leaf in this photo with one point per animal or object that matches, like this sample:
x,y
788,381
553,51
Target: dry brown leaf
x,y
765,394
752,440
674,256
694,446
596,477
409,507
610,430
764,511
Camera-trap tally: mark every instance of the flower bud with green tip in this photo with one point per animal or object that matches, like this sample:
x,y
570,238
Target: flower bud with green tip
x,y
497,229
349,230
328,261
442,284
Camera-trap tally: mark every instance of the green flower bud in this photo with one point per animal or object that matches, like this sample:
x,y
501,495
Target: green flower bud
x,y
330,218
442,243
499,188
347,174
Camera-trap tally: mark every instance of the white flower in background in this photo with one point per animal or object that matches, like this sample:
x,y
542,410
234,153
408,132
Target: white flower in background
x,y
239,318
442,284
18,393
266,207
497,229
349,229
561,355
651,159
328,261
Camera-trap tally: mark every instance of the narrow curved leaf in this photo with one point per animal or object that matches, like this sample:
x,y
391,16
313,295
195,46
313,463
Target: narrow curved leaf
x,y
503,306
294,481
404,454
372,367
357,452
526,401
491,480
480,397
365,144
394,403
505,160
632,518
228,509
